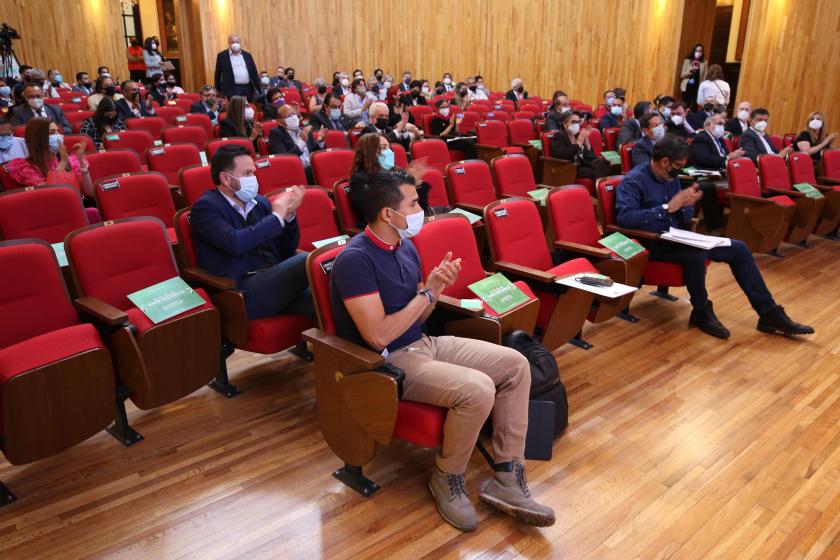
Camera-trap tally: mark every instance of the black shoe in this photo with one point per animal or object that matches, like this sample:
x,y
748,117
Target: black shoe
x,y
704,319
776,321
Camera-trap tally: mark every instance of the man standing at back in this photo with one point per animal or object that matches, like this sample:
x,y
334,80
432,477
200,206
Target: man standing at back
x,y
236,73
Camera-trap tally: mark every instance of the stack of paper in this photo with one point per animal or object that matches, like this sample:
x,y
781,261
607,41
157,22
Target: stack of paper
x,y
694,172
615,291
696,239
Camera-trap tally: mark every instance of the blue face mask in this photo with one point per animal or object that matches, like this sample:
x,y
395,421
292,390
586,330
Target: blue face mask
x,y
58,78
5,142
56,140
335,114
386,159
248,189
5,91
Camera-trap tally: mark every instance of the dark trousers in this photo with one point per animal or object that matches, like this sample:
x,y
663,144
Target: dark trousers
x,y
693,261
138,76
712,212
245,90
283,288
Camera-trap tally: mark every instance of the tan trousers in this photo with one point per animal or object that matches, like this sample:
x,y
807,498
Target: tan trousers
x,y
471,378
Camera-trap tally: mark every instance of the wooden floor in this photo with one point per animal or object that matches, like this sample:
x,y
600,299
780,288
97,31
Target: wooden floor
x,y
680,446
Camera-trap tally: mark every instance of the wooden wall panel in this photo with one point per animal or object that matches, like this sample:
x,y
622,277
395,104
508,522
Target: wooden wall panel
x,y
698,23
790,61
71,35
582,47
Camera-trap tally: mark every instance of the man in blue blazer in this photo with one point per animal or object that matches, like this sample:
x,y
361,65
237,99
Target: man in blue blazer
x,y
241,235
34,106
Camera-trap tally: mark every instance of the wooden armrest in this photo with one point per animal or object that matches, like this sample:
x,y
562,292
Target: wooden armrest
x,y
453,304
638,233
347,351
827,181
525,272
351,231
556,161
586,250
101,311
784,192
474,208
203,277
174,188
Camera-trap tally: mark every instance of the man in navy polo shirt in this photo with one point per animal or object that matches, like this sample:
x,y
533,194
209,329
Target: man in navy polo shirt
x,y
380,300
649,198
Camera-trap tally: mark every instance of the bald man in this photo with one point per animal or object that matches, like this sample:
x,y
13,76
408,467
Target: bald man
x,y
236,73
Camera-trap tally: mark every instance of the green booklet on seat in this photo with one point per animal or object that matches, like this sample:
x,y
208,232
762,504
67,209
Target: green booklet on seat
x,y
322,242
612,157
621,245
473,218
60,255
536,143
540,195
499,293
166,299
808,190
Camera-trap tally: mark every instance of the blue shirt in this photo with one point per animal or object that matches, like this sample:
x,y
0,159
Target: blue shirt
x,y
639,200
367,266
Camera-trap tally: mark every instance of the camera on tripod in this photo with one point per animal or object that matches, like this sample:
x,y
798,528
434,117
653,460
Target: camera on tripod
x,y
6,35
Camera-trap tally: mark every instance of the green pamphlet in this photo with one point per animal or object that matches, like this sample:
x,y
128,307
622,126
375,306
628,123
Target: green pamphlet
x,y
203,155
621,245
499,293
322,242
808,190
112,137
166,299
689,170
536,143
473,218
60,255
158,142
473,304
540,195
612,157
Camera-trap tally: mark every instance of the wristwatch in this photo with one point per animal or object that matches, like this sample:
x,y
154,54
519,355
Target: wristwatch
x,y
665,206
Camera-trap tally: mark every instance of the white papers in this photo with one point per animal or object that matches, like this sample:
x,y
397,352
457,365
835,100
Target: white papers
x,y
614,291
696,239
692,172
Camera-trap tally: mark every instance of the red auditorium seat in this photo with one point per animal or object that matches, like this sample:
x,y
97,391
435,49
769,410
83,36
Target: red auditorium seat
x,y
169,112
433,151
347,217
802,171
514,175
336,139
315,217
492,141
170,158
70,141
47,212
105,163
775,180
470,185
152,125
437,196
277,171
135,140
213,145
137,194
194,135
194,180
331,165
196,119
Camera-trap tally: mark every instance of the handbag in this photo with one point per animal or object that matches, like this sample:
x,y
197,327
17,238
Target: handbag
x,y
167,66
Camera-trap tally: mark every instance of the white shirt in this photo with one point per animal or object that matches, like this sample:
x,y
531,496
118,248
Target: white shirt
x,y
16,150
717,88
240,71
767,145
477,94
353,106
248,207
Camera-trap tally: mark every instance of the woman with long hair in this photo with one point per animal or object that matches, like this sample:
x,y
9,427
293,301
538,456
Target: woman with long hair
x,y
714,86
813,140
103,121
239,121
47,153
152,57
693,72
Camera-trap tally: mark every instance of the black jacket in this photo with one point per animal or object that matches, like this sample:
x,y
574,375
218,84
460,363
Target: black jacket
x,y
733,126
753,146
223,76
671,128
704,154
201,109
23,113
320,120
512,96
124,110
279,142
630,132
697,119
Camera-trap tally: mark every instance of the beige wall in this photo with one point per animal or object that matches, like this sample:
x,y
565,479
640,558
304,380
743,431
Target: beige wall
x,y
790,61
149,18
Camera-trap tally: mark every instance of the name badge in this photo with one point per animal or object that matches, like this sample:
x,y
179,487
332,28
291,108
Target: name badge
x,y
460,171
108,185
501,213
327,266
263,164
157,151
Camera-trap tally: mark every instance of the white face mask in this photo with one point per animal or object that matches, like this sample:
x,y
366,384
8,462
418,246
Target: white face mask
x,y
249,113
698,54
677,119
666,112
235,47
615,110
717,131
345,82
36,103
444,111
425,89
154,46
248,188
658,132
265,80
414,223
386,84
760,126
610,101
292,122
743,115
574,128
447,81
565,109
815,124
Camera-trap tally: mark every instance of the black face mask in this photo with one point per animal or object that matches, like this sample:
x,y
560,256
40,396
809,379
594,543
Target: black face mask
x,y
708,107
109,119
520,89
415,94
322,89
463,92
170,84
110,91
674,173
473,88
382,123
290,77
379,77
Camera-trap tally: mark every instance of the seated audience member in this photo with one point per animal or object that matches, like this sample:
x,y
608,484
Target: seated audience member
x,y
473,91
358,74
330,115
172,86
289,138
572,143
664,105
754,140
414,96
239,121
292,82
425,90
517,91
741,121
265,85
132,104
279,80
381,301
5,94
630,129
402,132
653,130
708,150
444,125
615,116
447,82
33,106
405,84
11,147
105,119
341,85
604,108
356,103
462,98
209,104
103,71
559,106
814,141
677,124
704,111
316,102
45,146
273,99
55,83
83,84
650,198
158,90
104,87
240,235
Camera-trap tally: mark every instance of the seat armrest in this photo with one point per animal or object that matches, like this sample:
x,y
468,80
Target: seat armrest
x,y
469,207
638,233
557,161
792,193
525,272
351,231
346,351
827,181
201,276
586,250
101,311
747,198
453,304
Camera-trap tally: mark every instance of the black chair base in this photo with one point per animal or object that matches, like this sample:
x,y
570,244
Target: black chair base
x,y
580,343
627,316
352,476
6,496
302,351
776,253
662,292
221,384
120,429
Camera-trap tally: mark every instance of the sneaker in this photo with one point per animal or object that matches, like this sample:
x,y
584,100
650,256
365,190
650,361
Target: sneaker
x,y
704,318
508,492
453,500
776,321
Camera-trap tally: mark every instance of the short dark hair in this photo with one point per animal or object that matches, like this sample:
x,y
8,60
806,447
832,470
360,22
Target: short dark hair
x,y
440,102
609,90
329,97
672,147
99,70
679,104
665,99
644,122
414,83
383,191
640,108
355,83
79,75
568,115
223,159
478,77
759,111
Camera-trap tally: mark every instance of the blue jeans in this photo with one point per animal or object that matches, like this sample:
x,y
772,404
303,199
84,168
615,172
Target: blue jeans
x,y
283,288
693,261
